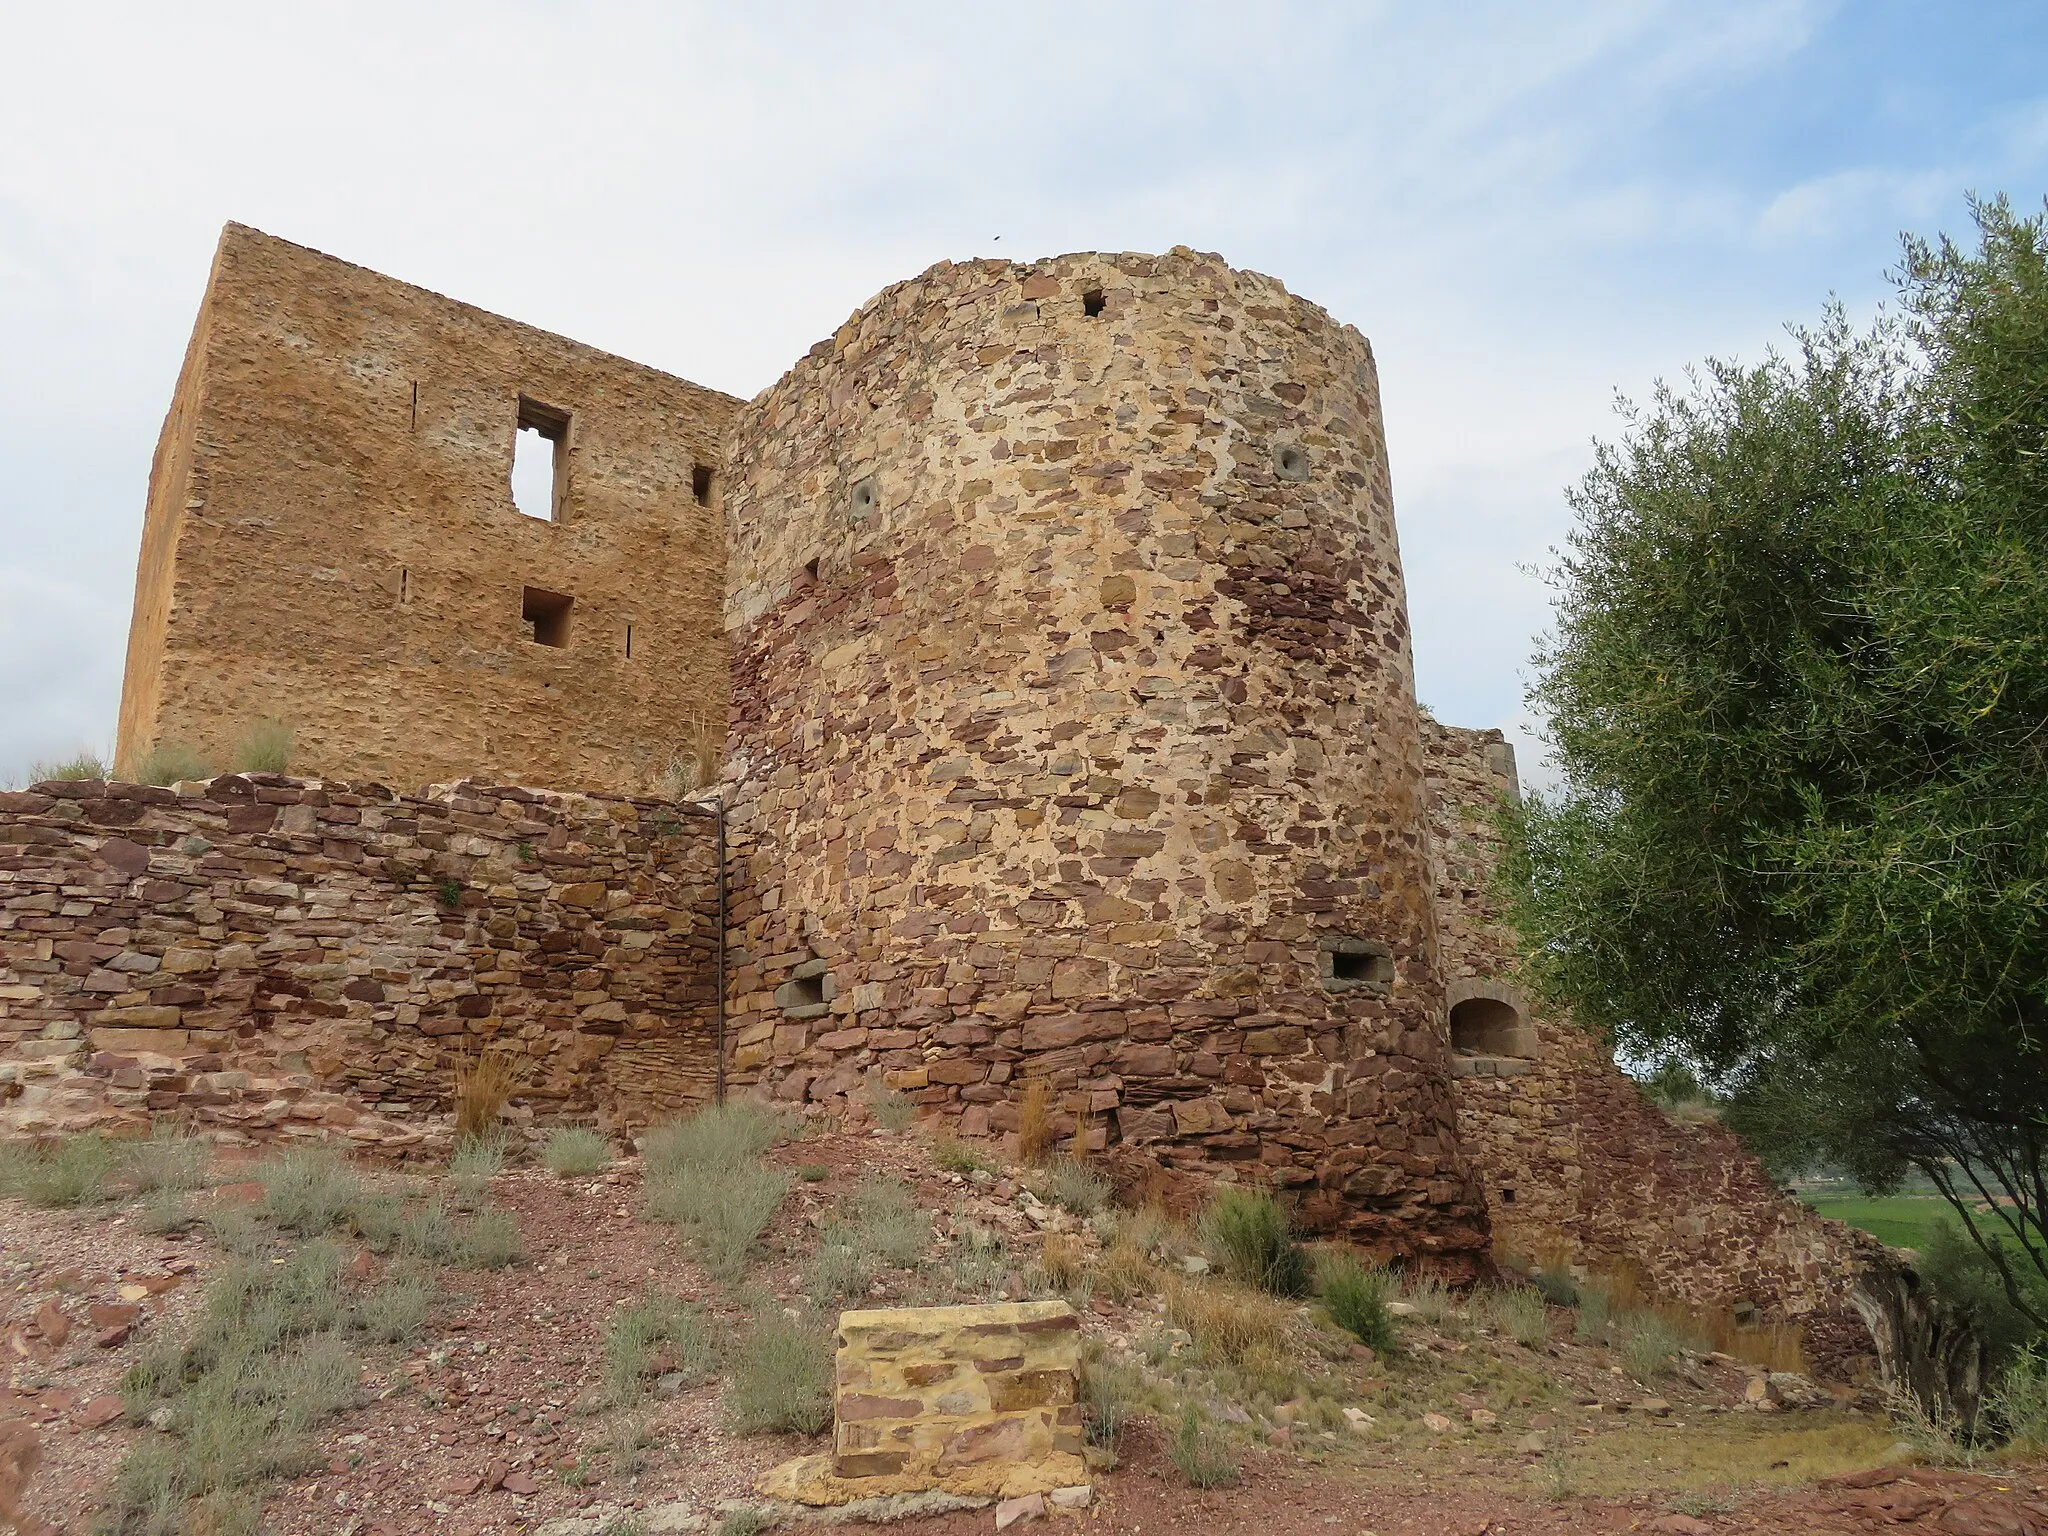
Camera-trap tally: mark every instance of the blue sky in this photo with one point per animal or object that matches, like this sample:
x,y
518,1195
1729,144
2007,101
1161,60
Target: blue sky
x,y
1527,208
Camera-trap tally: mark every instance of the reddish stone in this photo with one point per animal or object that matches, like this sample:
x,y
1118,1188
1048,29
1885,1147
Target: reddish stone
x,y
97,1412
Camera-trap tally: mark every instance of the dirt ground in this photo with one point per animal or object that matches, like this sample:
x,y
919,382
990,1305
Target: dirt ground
x,y
494,1421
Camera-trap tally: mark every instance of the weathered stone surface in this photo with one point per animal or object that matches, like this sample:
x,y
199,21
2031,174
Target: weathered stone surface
x,y
331,540
972,1400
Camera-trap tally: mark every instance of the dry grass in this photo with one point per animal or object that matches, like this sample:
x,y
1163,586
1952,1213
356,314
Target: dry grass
x,y
1227,1323
693,764
1126,1271
482,1090
1063,1261
1034,1123
266,747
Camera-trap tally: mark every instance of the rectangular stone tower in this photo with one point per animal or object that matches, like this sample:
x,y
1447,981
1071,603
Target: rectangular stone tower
x,y
332,541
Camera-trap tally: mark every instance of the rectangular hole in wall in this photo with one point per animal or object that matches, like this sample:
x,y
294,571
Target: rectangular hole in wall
x,y
548,613
700,483
807,991
1092,302
629,642
540,460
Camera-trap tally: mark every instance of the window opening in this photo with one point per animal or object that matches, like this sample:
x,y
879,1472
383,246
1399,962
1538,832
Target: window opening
x,y
811,569
404,586
1349,963
1507,1196
860,499
548,613
415,405
700,483
807,991
629,642
540,460
1486,1026
1091,302
1352,967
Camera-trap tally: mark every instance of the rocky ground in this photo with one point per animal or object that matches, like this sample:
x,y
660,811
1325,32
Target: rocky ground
x,y
495,1418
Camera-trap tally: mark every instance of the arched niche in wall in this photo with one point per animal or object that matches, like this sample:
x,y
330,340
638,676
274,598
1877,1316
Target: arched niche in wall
x,y
1490,1019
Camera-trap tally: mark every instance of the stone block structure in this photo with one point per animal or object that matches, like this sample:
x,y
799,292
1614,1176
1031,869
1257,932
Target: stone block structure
x,y
1577,1164
277,957
331,542
1050,617
979,1401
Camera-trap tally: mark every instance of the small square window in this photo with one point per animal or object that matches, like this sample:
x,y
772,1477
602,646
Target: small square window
x,y
548,613
700,483
1092,302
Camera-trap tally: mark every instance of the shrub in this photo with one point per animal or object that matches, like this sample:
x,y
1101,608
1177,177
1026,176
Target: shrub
x,y
1200,1454
724,1209
1554,1283
1226,1323
1518,1311
1596,1302
171,762
482,1089
1034,1123
265,748
743,1522
476,1162
308,1191
1649,1344
1078,1187
1430,1297
87,765
781,1377
981,1263
167,1159
380,1220
892,1111
637,1335
71,1172
2018,1403
956,1156
395,1310
1249,1233
489,1240
1963,1275
1355,1295
165,1211
1109,1391
1126,1270
717,1136
890,1221
575,1151
1062,1261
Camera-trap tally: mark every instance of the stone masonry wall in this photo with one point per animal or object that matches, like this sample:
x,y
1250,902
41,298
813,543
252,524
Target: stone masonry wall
x,y
1577,1163
1074,734
276,957
331,540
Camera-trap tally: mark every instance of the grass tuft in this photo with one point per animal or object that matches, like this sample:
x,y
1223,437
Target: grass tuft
x,y
656,1329
1200,1453
87,765
482,1089
266,747
396,1310
166,1159
1355,1295
1251,1235
308,1192
1034,1123
171,762
575,1151
1110,1391
893,1111
781,1377
73,1172
1519,1312
1227,1323
476,1161
956,1156
1080,1188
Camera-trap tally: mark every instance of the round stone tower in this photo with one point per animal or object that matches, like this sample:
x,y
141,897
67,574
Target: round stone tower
x,y
1074,735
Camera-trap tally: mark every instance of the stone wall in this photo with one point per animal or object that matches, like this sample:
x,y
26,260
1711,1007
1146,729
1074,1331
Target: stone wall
x,y
331,541
276,957
1074,734
1577,1163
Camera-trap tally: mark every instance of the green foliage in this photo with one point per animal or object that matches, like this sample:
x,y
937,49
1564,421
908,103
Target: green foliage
x,y
87,765
171,762
1200,1452
2018,1403
1355,1295
308,1192
1072,1183
893,1111
1554,1283
166,1159
653,1328
717,1136
1251,1235
1518,1311
1596,1302
1795,688
476,1161
1110,1391
781,1377
1964,1276
265,748
575,1152
451,893
879,1224
743,1522
956,1156
72,1172
1649,1343
395,1310
488,1240
705,1173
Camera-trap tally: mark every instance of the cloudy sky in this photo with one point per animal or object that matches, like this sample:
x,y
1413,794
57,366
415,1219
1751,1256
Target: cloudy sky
x,y
1527,208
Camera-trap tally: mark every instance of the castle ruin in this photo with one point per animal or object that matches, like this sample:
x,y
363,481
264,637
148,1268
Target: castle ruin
x,y
1039,649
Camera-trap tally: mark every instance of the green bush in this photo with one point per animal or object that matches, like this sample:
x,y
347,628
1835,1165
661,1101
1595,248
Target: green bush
x,y
1200,1453
717,1136
1962,1274
637,1334
879,1224
73,1172
488,1240
575,1151
265,748
308,1192
892,1111
1070,1182
1250,1234
956,1156
170,762
476,1161
781,1377
395,1310
1518,1311
1649,1343
87,765
2018,1403
1355,1295
1110,1390
723,1210
1555,1285
167,1159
